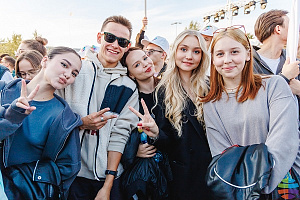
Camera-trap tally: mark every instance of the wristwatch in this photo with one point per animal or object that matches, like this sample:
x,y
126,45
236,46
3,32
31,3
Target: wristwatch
x,y
285,78
114,173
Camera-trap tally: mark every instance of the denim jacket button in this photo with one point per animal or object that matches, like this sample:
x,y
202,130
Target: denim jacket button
x,y
39,177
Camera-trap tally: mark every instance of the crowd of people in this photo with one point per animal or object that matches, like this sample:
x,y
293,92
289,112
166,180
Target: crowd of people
x,y
146,122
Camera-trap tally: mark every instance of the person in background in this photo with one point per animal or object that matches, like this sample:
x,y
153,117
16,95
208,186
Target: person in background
x,y
271,29
141,35
243,108
157,50
31,124
28,64
101,95
207,33
37,44
2,55
9,62
5,74
178,114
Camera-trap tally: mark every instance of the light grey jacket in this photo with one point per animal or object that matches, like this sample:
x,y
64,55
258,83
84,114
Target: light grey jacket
x,y
271,118
94,89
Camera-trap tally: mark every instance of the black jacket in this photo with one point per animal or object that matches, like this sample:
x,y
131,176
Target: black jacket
x,y
189,155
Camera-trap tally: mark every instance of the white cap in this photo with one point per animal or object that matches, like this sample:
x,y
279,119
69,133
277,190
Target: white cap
x,y
208,30
159,41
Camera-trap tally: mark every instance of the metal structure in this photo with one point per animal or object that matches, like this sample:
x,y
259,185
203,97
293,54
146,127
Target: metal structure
x,y
175,23
232,9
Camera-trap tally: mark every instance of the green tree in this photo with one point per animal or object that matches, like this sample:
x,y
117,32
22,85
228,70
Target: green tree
x,y
250,36
10,45
194,26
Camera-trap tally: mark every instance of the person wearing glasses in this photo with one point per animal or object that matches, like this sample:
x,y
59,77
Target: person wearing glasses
x,y
28,64
179,125
158,50
37,44
101,95
243,108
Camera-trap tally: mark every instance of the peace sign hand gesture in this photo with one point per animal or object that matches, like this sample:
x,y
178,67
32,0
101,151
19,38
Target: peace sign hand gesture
x,y
23,100
147,123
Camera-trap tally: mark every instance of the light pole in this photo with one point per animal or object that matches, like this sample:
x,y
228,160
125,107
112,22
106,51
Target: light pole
x,y
175,23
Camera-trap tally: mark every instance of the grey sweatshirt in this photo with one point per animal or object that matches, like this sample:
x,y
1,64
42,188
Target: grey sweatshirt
x,y
270,118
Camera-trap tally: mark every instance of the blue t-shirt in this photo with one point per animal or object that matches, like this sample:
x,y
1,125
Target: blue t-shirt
x,y
30,139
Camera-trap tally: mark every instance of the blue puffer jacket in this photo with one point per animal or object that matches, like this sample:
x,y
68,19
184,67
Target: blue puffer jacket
x,y
62,146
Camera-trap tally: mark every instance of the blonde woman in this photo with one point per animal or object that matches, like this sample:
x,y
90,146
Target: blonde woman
x,y
179,117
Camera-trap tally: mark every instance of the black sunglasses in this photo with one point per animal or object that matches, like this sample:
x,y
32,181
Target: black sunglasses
x,y
110,38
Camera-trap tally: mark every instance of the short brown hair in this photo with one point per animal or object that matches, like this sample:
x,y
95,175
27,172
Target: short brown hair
x,y
266,23
119,20
10,60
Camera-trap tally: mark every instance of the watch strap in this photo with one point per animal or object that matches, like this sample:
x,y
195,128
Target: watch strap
x,y
114,173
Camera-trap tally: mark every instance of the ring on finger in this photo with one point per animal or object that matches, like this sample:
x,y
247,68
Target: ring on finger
x,y
102,119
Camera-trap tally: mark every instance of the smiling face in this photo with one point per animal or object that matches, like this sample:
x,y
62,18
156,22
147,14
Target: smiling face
x,y
61,70
26,70
140,66
188,54
110,53
229,57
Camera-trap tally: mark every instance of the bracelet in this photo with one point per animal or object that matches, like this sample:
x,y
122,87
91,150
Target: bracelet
x,y
114,173
285,78
153,139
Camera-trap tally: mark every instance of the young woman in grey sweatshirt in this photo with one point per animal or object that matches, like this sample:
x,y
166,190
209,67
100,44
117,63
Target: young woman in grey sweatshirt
x,y
243,108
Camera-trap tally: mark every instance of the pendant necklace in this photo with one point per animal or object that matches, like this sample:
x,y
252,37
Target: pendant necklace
x,y
231,90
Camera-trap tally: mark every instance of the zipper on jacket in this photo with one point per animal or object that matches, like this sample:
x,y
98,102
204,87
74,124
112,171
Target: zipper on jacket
x,y
97,133
88,107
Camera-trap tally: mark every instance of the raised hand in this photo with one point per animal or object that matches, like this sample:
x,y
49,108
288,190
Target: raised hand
x,y
290,70
23,100
96,120
147,123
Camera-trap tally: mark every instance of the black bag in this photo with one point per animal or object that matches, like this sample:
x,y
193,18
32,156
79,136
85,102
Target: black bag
x,y
21,182
240,172
144,176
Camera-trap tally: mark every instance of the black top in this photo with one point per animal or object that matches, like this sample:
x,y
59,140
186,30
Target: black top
x,y
149,100
189,155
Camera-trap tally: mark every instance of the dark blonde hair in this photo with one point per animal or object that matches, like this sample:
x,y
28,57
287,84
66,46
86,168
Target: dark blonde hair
x,y
266,23
119,20
37,44
250,82
32,56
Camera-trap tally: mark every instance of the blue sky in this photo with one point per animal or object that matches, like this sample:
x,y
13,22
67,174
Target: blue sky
x,y
76,23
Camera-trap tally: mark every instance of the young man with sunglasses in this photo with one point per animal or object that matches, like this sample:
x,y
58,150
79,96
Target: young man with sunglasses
x,y
101,94
157,50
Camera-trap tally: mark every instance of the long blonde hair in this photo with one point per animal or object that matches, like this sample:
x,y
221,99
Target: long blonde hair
x,y
175,97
